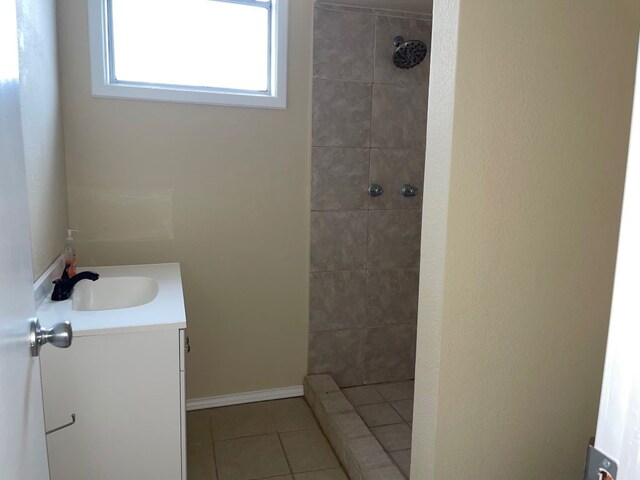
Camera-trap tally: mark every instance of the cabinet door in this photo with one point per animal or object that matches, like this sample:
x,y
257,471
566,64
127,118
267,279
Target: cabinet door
x,y
125,392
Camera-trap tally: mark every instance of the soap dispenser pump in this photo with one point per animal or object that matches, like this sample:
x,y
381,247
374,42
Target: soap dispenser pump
x,y
70,253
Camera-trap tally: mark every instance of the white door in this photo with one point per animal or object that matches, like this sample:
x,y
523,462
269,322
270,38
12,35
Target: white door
x,y
23,454
618,434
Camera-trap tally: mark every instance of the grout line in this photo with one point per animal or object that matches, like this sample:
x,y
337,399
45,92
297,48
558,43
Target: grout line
x,y
373,11
375,51
338,147
373,210
358,270
367,82
396,410
392,149
413,209
342,211
259,435
284,452
366,252
213,447
374,327
375,35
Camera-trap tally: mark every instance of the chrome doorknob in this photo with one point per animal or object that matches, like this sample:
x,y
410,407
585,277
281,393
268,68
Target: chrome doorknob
x,y
60,335
409,190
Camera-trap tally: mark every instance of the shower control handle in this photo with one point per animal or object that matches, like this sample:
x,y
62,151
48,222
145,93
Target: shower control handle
x,y
375,190
409,190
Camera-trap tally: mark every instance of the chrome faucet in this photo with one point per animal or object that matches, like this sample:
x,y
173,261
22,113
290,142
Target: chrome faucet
x,y
64,285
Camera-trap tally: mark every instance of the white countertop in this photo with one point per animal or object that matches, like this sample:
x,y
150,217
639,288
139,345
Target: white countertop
x,y
165,312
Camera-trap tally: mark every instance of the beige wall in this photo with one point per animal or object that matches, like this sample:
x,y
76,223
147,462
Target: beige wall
x,y
42,132
517,277
233,184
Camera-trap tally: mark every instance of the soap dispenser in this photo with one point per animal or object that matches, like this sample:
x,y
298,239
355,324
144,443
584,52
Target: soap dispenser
x,y
70,253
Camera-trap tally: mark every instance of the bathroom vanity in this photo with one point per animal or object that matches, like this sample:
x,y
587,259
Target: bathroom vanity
x,y
123,378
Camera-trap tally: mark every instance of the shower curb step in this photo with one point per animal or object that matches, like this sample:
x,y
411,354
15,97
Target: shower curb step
x,y
358,450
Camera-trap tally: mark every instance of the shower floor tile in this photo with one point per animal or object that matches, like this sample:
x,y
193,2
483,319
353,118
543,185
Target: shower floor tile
x,y
387,409
277,440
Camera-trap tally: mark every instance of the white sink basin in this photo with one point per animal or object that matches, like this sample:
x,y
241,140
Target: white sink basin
x,y
112,293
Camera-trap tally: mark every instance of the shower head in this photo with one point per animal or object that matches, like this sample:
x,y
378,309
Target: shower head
x,y
408,54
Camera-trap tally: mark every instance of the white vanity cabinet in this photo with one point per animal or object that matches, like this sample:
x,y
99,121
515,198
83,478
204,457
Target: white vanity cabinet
x,y
126,391
123,379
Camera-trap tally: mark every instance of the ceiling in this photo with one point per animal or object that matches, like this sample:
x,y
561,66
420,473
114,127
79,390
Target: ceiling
x,y
424,6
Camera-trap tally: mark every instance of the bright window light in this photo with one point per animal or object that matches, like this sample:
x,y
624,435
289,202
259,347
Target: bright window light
x,y
191,42
9,69
230,52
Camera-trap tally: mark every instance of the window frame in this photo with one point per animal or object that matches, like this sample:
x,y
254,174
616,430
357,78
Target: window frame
x,y
103,86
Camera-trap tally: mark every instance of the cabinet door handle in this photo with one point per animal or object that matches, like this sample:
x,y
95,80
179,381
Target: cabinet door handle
x,y
187,345
54,430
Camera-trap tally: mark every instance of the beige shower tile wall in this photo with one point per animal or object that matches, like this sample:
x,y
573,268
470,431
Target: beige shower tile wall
x,y
369,126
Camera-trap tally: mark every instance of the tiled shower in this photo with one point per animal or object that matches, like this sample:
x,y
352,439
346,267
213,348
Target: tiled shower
x,y
369,127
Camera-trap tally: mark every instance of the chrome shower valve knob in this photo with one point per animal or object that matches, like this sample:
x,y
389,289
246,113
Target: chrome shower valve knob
x,y
375,190
409,190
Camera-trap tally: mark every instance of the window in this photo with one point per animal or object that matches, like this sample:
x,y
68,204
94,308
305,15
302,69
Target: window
x,y
222,52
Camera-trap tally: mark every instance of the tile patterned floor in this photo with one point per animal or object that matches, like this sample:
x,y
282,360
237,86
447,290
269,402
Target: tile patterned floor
x,y
387,409
278,440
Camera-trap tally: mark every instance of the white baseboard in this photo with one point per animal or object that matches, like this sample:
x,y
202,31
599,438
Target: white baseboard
x,y
246,397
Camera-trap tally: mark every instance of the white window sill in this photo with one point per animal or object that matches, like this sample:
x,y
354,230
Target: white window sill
x,y
187,95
